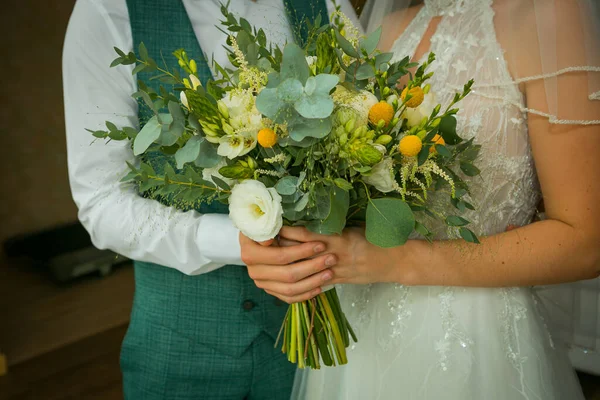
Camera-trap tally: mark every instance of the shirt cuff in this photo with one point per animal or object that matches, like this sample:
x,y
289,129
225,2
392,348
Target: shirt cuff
x,y
218,240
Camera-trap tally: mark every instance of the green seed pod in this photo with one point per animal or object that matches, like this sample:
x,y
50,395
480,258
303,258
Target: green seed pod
x,y
193,66
421,134
350,125
368,155
426,89
384,139
251,163
343,139
436,122
222,108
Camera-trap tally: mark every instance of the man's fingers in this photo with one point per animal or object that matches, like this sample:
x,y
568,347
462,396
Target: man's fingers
x,y
254,254
293,290
294,272
295,299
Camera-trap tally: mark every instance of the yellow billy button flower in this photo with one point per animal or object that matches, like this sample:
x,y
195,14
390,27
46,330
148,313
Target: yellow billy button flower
x,y
437,139
267,138
417,96
410,145
381,111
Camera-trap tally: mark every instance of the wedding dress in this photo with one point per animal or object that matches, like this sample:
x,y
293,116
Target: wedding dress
x,y
457,343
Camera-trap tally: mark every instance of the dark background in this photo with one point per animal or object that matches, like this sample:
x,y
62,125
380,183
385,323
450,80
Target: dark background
x,y
61,341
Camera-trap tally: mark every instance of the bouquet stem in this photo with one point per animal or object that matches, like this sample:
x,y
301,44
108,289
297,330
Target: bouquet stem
x,y
316,330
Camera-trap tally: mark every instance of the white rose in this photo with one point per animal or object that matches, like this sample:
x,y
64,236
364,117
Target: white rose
x,y
256,210
381,176
236,145
414,116
208,173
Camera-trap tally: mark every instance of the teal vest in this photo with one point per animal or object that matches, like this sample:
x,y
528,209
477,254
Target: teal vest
x,y
222,309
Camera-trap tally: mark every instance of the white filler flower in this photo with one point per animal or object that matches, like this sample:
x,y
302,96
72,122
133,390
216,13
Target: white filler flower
x,y
256,210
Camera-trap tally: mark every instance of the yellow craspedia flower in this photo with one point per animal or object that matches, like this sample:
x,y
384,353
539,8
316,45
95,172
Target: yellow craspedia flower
x,y
381,111
267,138
417,96
437,139
410,145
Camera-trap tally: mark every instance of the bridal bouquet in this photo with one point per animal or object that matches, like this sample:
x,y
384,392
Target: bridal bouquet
x,y
320,136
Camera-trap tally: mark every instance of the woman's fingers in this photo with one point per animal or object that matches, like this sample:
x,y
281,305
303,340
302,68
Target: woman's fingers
x,y
255,254
293,273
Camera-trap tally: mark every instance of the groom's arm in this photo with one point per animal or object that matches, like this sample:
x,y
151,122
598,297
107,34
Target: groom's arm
x,y
114,214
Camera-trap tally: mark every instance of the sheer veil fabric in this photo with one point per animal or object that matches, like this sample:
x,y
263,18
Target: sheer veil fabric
x,y
476,343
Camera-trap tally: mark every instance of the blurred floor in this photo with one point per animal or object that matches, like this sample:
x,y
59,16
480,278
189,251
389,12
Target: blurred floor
x,y
89,369
86,370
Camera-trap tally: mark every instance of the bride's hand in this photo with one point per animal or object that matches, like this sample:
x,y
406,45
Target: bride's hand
x,y
358,261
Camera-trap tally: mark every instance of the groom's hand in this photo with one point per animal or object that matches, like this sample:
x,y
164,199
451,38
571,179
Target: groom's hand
x,y
293,272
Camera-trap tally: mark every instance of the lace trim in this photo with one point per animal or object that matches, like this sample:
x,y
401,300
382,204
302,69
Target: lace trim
x,y
553,119
542,76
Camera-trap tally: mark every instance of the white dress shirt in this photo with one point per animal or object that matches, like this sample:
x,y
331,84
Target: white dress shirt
x,y
116,217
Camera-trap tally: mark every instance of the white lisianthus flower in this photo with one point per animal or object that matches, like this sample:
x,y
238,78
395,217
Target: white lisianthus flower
x,y
256,210
414,116
208,173
236,145
381,176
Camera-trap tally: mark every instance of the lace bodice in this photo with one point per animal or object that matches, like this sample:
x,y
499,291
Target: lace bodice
x,y
466,48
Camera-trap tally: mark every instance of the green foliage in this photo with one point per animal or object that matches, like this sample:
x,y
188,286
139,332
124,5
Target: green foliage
x,y
390,221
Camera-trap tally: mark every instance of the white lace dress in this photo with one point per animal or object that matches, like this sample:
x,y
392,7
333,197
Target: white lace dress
x,y
447,342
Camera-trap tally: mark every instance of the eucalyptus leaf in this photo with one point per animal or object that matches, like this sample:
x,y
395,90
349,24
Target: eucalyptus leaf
x,y
314,106
369,44
343,184
288,185
304,128
336,219
455,220
289,90
143,51
468,235
443,151
447,129
302,203
390,221
365,71
382,58
345,45
221,183
208,156
423,155
147,136
189,152
294,64
422,230
469,169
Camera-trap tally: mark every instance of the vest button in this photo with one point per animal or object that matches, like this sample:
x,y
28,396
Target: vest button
x,y
248,305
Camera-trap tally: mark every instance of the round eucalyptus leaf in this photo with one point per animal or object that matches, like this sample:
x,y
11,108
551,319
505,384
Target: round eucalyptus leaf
x,y
289,90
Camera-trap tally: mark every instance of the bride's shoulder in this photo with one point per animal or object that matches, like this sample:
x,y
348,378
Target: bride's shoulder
x,y
395,24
